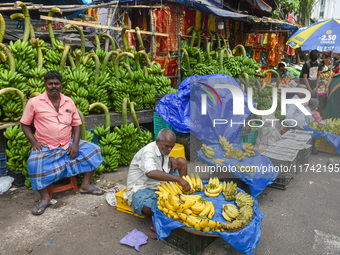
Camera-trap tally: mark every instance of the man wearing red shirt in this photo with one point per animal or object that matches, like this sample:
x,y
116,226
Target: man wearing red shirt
x,y
55,154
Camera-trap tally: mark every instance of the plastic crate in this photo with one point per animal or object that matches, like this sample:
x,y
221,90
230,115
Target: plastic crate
x,y
323,145
286,160
251,138
159,123
3,164
95,138
123,205
2,142
188,243
19,179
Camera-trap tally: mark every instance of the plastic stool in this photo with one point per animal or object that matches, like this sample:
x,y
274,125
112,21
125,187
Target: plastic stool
x,y
71,185
177,151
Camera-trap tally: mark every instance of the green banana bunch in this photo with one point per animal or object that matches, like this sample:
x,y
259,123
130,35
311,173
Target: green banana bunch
x,y
110,145
89,136
35,81
24,54
101,131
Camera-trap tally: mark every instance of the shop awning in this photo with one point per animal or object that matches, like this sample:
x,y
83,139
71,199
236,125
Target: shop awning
x,y
216,11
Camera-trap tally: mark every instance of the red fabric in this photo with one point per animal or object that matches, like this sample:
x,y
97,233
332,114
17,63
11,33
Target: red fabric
x,y
161,20
188,19
337,70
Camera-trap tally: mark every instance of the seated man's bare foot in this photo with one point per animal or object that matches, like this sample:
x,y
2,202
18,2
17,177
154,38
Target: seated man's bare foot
x,y
40,208
91,191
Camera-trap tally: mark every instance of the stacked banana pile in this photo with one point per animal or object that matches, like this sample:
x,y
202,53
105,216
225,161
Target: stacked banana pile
x,y
230,152
192,210
235,153
238,219
213,188
331,125
249,150
229,190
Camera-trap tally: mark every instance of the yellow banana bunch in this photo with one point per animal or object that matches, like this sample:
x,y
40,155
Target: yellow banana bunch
x,y
243,199
238,154
234,226
229,190
248,169
226,145
195,182
208,151
218,161
249,149
170,187
213,188
230,212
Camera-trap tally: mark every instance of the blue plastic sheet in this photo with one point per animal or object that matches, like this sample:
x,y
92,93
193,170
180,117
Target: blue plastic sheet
x,y
183,110
244,240
257,181
331,138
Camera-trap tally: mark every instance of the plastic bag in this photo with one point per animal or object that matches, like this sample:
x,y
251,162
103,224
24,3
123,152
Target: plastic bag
x,y
5,183
111,198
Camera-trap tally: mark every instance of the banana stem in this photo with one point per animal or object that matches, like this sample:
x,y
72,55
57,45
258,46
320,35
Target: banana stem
x,y
148,62
78,56
186,57
134,116
129,70
18,91
208,52
275,73
242,48
32,31
210,36
222,57
93,55
137,60
95,40
27,19
246,84
81,33
105,110
82,126
199,39
49,24
2,28
9,56
3,57
124,110
140,40
113,44
66,51
125,45
116,63
36,44
217,39
106,60
223,40
146,71
70,59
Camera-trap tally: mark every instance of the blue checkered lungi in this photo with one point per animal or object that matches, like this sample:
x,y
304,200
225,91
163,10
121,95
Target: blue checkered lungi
x,y
48,166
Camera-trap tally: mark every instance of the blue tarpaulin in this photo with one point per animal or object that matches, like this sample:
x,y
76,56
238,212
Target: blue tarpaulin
x,y
244,240
257,181
331,138
183,110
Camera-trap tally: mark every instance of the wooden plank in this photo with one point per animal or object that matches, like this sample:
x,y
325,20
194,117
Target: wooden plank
x,y
81,23
142,6
95,120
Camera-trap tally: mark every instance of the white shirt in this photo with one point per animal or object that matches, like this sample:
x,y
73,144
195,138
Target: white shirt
x,y
147,159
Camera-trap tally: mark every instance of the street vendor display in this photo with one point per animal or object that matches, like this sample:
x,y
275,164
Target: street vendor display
x,y
236,219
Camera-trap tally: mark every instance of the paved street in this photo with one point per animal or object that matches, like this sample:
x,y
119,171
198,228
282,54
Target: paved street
x,y
303,219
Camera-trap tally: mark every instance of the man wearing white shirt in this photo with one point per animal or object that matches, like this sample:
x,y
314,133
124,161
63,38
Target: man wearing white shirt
x,y
149,167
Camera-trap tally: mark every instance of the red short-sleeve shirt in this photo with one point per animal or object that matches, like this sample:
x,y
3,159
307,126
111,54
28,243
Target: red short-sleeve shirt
x,y
52,128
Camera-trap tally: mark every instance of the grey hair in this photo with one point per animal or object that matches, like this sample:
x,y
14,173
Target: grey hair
x,y
313,102
166,133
